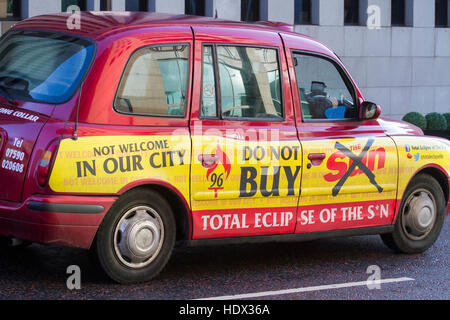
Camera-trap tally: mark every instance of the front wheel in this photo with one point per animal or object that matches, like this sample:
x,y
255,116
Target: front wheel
x,y
420,218
136,237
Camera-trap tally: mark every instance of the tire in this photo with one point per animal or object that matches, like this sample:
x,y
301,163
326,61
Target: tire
x,y
136,237
420,217
5,243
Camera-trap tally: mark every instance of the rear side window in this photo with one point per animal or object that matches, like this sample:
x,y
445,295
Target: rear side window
x,y
154,82
43,66
248,83
208,106
323,92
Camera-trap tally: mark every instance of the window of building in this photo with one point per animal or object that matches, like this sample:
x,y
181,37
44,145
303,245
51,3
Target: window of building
x,y
195,7
9,9
351,12
155,82
323,92
136,5
249,84
442,12
105,5
398,13
65,4
303,12
250,10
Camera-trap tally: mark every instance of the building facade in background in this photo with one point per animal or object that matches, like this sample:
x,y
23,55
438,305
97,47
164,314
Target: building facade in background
x,y
398,51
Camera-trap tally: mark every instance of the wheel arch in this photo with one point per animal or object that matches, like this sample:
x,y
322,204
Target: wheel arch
x,y
176,200
435,171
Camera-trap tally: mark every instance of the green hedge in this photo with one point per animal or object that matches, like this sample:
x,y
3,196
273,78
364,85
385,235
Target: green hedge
x,y
436,121
416,119
447,117
432,121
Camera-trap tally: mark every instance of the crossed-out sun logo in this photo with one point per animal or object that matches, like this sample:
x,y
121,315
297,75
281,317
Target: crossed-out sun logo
x,y
364,163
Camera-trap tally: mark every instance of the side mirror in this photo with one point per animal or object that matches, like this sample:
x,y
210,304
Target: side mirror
x,y
369,111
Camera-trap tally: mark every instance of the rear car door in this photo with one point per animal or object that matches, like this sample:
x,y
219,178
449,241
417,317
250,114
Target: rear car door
x,y
141,133
246,157
351,166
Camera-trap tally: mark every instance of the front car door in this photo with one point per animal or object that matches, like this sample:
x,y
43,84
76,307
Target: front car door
x,y
350,166
246,159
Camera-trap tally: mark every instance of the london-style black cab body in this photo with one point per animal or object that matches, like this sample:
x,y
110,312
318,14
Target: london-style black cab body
x,y
140,130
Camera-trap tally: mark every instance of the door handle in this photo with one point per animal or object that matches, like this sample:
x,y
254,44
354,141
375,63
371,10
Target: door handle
x,y
316,156
316,159
208,160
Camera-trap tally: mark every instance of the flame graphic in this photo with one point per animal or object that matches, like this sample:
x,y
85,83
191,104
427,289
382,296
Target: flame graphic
x,y
223,159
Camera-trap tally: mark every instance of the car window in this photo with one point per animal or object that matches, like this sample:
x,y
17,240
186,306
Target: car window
x,y
249,83
322,90
209,106
43,66
154,82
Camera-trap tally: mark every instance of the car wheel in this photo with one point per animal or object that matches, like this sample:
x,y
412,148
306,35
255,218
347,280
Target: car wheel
x,y
420,218
9,244
136,238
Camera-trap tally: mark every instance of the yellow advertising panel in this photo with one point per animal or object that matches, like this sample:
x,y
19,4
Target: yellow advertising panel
x,y
355,184
415,153
366,167
106,164
244,173
244,187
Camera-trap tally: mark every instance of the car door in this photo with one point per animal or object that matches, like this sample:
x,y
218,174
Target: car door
x,y
141,111
350,166
246,159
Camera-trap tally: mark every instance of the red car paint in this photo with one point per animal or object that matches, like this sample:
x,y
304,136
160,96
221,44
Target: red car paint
x,y
117,36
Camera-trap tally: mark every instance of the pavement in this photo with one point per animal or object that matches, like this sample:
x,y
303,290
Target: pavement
x,y
329,269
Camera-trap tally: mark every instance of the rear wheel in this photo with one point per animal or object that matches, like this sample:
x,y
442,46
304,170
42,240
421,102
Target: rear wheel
x,y
13,244
420,218
136,237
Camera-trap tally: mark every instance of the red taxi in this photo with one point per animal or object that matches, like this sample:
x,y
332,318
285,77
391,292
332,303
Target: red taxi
x,y
138,131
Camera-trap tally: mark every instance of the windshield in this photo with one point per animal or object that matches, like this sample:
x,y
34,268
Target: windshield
x,y
43,66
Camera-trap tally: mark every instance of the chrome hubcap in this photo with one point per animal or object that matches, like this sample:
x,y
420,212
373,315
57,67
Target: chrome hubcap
x,y
138,237
419,214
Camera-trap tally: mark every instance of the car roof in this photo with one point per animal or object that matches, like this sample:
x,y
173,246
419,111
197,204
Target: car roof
x,y
99,25
96,24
